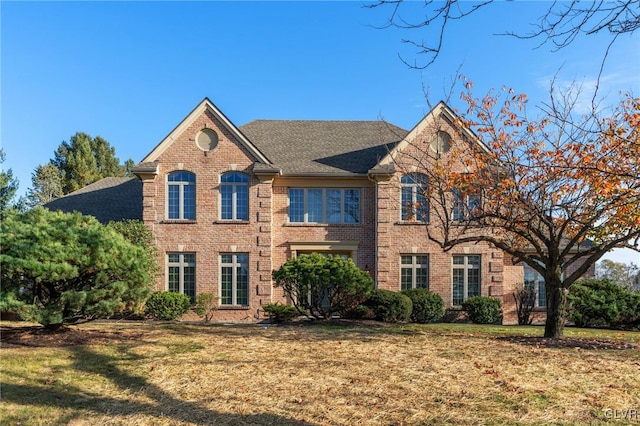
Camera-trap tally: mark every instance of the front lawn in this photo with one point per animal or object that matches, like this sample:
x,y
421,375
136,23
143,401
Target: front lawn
x,y
176,373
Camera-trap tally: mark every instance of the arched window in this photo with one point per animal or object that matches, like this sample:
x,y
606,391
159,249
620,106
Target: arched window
x,y
181,195
234,196
415,206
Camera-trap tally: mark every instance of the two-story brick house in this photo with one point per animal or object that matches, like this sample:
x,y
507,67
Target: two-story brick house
x,y
228,205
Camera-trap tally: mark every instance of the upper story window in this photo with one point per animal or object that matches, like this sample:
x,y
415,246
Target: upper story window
x,y
324,205
441,143
464,204
234,193
207,140
181,195
415,206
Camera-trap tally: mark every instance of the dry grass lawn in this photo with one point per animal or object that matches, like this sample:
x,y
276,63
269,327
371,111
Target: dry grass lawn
x,y
177,374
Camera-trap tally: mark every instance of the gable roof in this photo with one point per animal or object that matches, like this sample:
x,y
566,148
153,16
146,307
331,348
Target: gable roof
x,y
317,147
204,105
111,198
441,110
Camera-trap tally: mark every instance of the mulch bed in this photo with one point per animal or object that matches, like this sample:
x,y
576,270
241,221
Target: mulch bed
x,y
569,343
36,336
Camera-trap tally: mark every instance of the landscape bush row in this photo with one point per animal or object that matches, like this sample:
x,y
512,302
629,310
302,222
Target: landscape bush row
x,y
593,303
62,268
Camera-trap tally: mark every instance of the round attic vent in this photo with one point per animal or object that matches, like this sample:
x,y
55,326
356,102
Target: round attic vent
x,y
441,143
207,139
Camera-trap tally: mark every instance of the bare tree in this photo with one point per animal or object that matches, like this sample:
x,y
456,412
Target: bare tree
x,y
560,25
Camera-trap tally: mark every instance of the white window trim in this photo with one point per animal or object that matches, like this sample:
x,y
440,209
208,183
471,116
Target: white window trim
x,y
463,201
465,282
414,266
538,281
234,198
235,265
181,185
305,195
181,264
415,187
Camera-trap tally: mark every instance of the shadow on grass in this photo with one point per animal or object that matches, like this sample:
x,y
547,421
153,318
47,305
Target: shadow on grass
x,y
569,343
160,404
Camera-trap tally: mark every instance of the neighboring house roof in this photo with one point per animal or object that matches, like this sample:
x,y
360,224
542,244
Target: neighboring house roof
x,y
111,198
315,147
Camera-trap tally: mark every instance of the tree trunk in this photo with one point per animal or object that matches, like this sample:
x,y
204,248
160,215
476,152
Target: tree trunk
x,y
556,308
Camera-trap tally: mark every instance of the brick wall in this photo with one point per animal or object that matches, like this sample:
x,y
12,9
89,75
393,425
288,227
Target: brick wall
x,y
207,236
397,237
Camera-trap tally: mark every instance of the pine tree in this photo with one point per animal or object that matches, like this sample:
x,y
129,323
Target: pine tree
x,y
84,160
8,186
46,185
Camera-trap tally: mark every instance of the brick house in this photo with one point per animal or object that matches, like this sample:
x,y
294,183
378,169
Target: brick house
x,y
228,205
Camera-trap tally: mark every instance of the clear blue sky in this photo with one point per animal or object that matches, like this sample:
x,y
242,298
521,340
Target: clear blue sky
x,y
131,71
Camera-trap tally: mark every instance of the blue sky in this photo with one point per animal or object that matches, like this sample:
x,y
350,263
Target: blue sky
x,y
131,71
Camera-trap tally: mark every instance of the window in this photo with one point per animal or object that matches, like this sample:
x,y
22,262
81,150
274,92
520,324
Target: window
x,y
234,191
534,281
207,140
466,277
234,279
181,274
464,204
414,203
414,271
181,195
318,205
441,143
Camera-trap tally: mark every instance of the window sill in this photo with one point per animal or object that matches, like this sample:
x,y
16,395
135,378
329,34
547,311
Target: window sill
x,y
233,308
410,222
231,222
321,225
178,221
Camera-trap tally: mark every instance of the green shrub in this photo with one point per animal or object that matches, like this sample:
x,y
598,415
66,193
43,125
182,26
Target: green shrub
x,y
603,303
323,285
483,310
359,312
279,312
66,268
206,305
427,305
390,306
167,305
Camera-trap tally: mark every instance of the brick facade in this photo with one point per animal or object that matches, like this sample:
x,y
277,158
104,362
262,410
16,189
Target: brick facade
x,y
376,243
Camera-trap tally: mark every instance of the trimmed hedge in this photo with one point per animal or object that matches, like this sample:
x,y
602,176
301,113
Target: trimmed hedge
x,y
603,303
483,310
427,305
167,305
279,312
390,306
323,286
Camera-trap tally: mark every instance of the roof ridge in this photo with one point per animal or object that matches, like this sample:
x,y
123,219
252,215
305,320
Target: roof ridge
x,y
319,121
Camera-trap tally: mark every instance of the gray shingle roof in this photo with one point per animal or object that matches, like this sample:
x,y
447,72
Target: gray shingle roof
x,y
111,198
301,147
